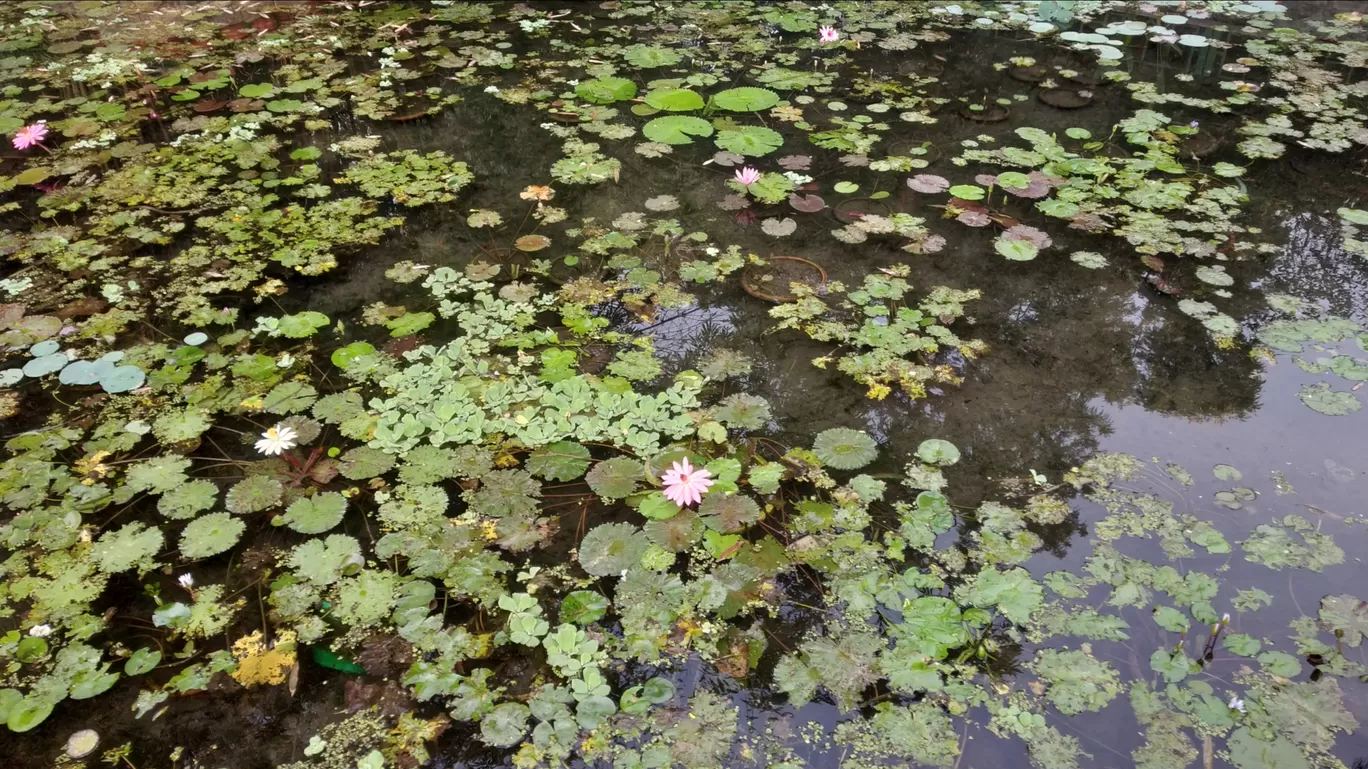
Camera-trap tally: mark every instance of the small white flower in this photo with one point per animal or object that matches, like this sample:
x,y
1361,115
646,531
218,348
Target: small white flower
x,y
491,89
276,440
40,631
186,581
1237,704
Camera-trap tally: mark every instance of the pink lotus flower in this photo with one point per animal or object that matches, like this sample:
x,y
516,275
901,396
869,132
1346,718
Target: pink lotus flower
x,y
828,35
30,135
747,176
685,484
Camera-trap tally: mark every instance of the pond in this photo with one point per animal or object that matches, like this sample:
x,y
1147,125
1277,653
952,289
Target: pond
x,y
706,384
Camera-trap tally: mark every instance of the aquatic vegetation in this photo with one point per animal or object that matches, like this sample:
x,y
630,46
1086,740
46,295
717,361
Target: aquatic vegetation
x,y
493,492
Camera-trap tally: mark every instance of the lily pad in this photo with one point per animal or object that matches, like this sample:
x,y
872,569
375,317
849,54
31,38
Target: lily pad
x,y
845,449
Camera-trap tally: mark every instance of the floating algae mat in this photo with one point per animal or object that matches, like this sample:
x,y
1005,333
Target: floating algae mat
x,y
695,384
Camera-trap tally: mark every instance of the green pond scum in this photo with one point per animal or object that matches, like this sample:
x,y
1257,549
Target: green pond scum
x,y
645,384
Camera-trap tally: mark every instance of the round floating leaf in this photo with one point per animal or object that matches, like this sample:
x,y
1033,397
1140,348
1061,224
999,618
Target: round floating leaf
x,y
751,141
1016,250
928,183
505,725
316,514
745,99
560,461
612,548
142,661
658,691
210,535
188,499
1242,644
675,100
81,372
289,397
1215,275
344,355
87,684
1346,616
254,493
677,129
967,192
364,461
657,506
615,478
46,364
935,451
28,713
582,607
336,408
1013,180
257,90
121,379
1089,259
845,449
1354,216
1280,664
747,412
677,533
132,545
649,56
531,243
30,649
606,90
44,348
845,188
1333,403
1227,473
728,513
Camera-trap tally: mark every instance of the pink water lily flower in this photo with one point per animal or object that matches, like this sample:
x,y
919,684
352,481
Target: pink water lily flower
x,y
685,484
30,135
828,35
748,176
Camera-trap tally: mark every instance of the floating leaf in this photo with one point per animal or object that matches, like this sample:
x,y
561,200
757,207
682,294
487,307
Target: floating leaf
x,y
677,129
845,449
929,183
611,548
675,100
751,141
728,513
615,478
1016,250
935,451
606,90
316,514
253,494
779,228
745,99
364,462
1346,617
559,461
1078,682
210,535
1319,397
583,607
188,499
505,725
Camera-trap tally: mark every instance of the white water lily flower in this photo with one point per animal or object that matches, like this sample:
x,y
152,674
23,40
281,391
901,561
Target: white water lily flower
x,y
1237,704
278,439
40,631
186,581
